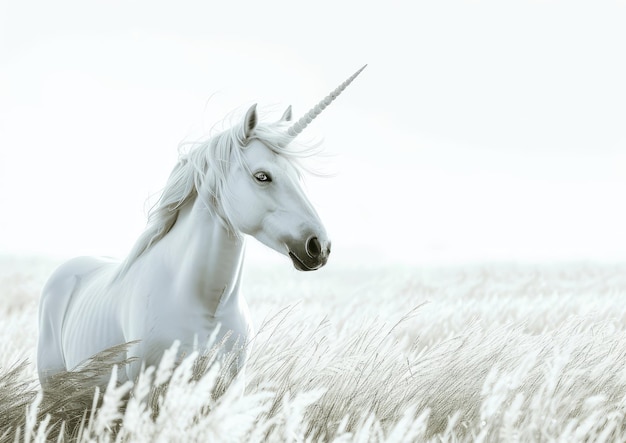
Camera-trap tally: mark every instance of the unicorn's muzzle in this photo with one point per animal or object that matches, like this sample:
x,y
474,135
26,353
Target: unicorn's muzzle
x,y
311,255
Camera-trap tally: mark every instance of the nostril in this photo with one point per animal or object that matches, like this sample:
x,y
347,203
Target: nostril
x,y
313,247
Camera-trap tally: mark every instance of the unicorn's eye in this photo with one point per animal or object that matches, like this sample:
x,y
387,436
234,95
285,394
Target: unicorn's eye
x,y
262,177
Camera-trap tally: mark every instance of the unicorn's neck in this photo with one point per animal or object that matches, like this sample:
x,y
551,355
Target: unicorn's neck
x,y
204,259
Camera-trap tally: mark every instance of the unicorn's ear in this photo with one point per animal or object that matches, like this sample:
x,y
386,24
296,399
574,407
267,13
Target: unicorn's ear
x,y
286,115
250,121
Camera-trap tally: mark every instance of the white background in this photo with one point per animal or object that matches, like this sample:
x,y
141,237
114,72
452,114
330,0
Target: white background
x,y
479,131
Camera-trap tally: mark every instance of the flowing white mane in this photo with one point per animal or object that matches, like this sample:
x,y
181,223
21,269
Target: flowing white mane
x,y
203,171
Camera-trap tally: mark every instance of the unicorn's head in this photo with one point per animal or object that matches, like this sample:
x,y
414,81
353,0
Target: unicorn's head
x,y
262,194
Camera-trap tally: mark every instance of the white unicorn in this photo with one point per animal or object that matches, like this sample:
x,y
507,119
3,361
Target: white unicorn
x,y
182,280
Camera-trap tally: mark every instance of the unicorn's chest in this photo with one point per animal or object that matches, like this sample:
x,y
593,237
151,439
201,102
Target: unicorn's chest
x,y
190,321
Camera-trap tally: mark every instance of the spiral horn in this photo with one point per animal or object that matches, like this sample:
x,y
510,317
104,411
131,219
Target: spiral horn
x,y
298,126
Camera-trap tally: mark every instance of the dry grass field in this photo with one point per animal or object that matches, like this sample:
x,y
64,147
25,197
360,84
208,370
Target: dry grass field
x,y
499,352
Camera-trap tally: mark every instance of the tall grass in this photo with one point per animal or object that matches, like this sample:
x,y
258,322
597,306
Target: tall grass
x,y
482,353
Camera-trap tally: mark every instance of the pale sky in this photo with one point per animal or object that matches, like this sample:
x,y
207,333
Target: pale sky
x,y
481,130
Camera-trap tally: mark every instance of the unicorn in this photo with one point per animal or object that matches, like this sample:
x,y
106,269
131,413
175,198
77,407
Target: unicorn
x,y
181,282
